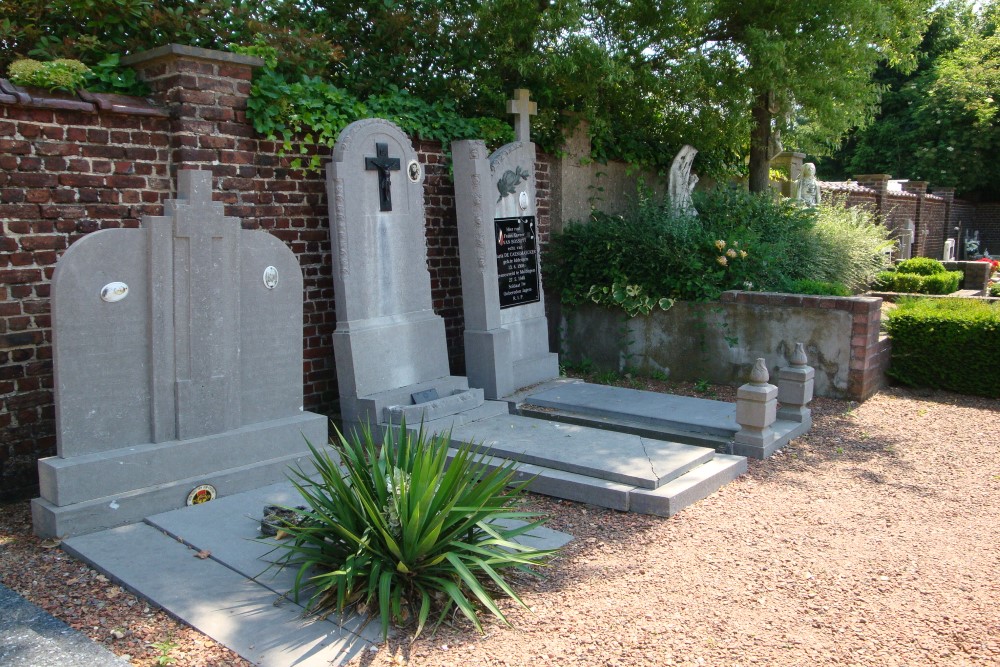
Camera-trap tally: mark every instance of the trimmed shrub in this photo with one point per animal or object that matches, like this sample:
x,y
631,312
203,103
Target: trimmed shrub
x,y
914,283
922,266
995,289
946,344
942,283
819,288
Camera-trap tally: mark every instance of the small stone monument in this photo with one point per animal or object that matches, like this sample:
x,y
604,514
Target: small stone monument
x,y
949,250
906,239
392,360
177,350
756,412
506,331
682,182
795,388
807,191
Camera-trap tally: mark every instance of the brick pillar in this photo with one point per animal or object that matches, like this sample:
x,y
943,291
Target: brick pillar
x,y
206,92
570,179
920,226
791,162
880,184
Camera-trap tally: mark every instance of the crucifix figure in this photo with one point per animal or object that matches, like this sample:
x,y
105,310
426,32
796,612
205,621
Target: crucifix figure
x,y
524,109
383,164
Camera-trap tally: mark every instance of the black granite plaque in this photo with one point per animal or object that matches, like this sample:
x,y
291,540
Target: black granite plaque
x,y
517,260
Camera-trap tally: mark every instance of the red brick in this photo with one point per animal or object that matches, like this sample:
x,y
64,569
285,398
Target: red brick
x,y
82,180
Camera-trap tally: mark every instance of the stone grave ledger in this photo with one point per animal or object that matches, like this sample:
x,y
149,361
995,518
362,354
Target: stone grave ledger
x,y
506,331
392,360
177,351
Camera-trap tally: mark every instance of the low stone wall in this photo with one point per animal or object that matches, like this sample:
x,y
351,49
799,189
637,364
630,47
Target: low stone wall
x,y
720,341
976,275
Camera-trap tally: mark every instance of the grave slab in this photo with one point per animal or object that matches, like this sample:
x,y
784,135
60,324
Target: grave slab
x,y
692,487
680,412
615,457
206,594
233,596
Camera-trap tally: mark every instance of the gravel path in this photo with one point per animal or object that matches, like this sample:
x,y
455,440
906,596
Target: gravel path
x,y
872,540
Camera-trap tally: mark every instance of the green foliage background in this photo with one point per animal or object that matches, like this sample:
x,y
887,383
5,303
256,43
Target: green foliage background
x,y
648,76
738,241
940,123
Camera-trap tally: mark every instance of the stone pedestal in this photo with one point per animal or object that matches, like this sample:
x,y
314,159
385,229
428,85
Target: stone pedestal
x,y
795,388
756,412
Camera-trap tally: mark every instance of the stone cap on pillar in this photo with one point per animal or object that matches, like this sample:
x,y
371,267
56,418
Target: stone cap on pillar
x,y
879,182
174,51
916,187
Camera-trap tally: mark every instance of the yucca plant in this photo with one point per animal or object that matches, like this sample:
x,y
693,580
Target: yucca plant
x,y
399,529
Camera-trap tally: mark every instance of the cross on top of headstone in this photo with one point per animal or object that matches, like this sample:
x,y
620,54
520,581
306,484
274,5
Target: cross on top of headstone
x,y
523,108
383,164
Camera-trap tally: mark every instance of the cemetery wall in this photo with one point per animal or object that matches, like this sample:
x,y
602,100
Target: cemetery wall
x,y
986,220
720,341
933,216
72,167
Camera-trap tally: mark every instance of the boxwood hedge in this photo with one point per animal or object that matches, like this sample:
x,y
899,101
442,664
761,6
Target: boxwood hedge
x,y
949,344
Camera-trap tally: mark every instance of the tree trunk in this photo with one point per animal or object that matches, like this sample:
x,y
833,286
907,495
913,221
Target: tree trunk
x,y
760,143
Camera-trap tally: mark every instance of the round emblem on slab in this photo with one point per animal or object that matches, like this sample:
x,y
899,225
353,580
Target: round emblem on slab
x,y
201,494
270,277
414,171
522,200
115,291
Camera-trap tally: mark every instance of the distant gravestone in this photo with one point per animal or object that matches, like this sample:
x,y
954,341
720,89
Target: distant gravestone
x,y
949,250
906,239
390,346
177,350
506,331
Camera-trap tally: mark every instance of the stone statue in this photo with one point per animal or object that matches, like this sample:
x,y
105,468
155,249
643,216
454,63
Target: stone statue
x,y
682,182
808,188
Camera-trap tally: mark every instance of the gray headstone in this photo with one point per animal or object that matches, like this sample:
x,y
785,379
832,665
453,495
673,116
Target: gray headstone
x,y
178,362
389,343
506,332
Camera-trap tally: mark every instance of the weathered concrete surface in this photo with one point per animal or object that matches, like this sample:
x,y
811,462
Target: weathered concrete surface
x,y
715,341
30,637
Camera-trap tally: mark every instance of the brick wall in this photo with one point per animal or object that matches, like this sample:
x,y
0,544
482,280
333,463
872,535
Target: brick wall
x,y
933,215
68,172
870,351
987,221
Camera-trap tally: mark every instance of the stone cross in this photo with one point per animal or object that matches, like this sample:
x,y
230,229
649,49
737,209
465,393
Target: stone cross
x,y
523,108
383,164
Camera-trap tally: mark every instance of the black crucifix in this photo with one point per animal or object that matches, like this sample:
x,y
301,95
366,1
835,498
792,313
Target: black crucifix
x,y
383,164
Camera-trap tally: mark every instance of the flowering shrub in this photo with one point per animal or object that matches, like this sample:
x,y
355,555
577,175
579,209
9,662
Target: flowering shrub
x,y
738,241
994,263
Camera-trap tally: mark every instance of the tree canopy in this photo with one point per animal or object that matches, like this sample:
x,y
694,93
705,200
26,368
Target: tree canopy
x,y
940,123
649,75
